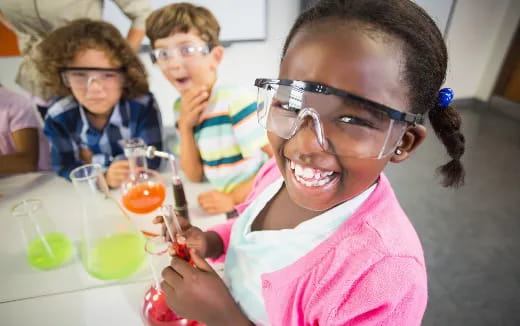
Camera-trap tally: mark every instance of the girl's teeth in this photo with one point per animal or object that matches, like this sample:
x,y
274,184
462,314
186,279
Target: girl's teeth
x,y
313,183
308,173
310,177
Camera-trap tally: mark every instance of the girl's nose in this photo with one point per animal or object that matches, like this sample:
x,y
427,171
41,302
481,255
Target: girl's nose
x,y
306,138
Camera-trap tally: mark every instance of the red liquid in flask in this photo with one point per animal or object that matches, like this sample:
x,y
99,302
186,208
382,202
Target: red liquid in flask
x,y
157,313
144,198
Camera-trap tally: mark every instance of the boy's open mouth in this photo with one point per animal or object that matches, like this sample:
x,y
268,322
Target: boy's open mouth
x,y
182,81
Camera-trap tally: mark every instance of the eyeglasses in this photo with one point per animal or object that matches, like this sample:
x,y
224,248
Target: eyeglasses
x,y
83,77
184,52
345,124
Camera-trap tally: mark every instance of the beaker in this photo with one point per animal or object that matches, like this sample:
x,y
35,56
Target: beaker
x,y
155,311
111,247
143,191
45,247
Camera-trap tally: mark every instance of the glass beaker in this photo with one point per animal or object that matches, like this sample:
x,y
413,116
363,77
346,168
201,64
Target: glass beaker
x,y
155,311
45,247
111,248
143,191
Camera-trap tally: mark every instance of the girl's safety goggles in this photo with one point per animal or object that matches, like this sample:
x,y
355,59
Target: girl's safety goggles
x,y
345,124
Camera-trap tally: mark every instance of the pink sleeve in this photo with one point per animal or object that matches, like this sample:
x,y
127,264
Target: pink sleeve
x,y
265,176
22,115
224,232
391,292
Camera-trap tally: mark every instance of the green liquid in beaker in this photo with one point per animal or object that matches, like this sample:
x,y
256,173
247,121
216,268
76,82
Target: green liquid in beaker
x,y
38,254
115,256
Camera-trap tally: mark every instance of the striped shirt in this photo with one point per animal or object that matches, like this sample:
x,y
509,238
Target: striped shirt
x,y
68,130
229,137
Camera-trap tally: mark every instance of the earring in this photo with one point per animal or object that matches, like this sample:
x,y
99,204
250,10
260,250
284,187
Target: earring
x,y
398,151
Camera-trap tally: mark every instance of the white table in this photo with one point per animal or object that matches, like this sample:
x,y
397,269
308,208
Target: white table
x,y
68,295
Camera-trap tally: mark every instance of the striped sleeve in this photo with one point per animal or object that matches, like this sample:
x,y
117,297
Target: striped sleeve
x,y
250,135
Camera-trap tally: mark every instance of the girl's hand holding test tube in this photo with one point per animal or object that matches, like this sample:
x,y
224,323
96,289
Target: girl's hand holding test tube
x,y
195,293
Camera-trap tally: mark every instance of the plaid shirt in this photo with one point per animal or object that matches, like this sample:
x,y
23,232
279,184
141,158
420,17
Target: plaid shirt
x,y
68,130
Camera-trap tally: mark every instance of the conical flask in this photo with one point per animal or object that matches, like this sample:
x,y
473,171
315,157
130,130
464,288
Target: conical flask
x,y
111,248
144,191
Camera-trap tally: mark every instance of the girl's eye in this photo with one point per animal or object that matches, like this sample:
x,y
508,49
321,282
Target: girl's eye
x,y
356,121
282,105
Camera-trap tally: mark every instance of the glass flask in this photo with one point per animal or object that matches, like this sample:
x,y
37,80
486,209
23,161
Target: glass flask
x,y
144,191
46,248
111,247
155,310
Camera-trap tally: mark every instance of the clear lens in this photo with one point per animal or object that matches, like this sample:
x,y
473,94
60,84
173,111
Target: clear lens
x,y
83,78
184,52
349,127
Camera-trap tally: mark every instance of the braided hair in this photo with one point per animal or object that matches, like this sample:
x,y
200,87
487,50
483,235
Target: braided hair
x,y
425,65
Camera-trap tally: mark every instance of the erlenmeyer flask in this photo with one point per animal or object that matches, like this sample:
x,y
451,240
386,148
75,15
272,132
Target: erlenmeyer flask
x,y
46,247
111,247
143,191
155,310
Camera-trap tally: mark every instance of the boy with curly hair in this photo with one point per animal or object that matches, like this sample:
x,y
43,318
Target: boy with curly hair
x,y
104,98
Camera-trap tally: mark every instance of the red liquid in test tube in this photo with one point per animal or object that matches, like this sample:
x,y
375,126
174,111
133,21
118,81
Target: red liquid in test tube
x,y
181,249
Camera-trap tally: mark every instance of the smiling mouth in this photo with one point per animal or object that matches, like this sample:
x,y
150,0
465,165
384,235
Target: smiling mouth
x,y
312,177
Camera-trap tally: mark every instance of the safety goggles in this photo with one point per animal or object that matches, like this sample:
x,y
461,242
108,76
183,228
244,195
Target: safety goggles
x,y
185,52
83,77
345,124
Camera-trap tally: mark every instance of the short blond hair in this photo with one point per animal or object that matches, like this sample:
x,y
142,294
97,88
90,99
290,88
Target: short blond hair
x,y
183,17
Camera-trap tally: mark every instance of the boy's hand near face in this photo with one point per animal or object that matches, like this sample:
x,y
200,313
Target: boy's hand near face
x,y
215,202
117,172
193,103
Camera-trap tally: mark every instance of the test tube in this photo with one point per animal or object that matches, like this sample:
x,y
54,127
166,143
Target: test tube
x,y
179,197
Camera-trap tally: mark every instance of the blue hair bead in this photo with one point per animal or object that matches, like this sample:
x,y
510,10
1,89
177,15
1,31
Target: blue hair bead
x,y
445,97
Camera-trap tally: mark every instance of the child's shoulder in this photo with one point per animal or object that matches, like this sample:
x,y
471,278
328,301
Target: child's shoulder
x,y
143,100
383,217
13,101
235,98
63,106
233,93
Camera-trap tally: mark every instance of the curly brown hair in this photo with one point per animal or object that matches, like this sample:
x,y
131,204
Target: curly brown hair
x,y
60,48
182,17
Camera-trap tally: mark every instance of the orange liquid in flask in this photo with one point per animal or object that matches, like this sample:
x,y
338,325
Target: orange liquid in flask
x,y
144,198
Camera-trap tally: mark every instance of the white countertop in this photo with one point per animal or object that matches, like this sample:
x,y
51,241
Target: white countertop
x,y
68,295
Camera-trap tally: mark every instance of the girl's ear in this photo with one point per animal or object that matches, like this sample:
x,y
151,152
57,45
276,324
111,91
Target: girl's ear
x,y
411,139
217,54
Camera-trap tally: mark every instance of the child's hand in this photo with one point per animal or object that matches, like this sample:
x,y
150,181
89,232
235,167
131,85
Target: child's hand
x,y
117,172
195,237
192,104
85,155
199,293
215,202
